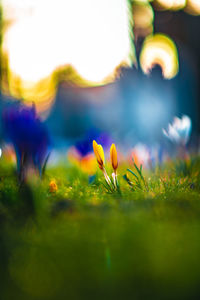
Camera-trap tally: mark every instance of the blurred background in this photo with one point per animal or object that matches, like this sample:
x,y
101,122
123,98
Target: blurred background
x,y
124,68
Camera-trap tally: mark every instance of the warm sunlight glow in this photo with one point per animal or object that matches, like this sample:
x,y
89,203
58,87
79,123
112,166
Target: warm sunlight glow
x,y
193,7
92,36
160,50
143,16
171,4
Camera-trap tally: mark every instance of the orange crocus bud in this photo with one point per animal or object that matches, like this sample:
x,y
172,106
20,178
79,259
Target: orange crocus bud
x,y
99,153
53,186
113,157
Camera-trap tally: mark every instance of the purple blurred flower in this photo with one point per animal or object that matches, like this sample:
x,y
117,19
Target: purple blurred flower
x,y
29,137
84,146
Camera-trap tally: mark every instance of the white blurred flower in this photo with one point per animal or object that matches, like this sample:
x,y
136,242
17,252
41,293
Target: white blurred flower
x,y
0,152
179,131
140,155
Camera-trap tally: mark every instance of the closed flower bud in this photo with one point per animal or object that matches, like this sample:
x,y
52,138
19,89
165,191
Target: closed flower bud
x,y
99,153
113,157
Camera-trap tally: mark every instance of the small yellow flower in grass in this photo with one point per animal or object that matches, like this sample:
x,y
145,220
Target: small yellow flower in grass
x,y
113,157
99,153
53,186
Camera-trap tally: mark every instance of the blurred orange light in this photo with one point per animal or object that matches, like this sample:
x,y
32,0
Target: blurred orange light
x,y
9,154
160,50
87,163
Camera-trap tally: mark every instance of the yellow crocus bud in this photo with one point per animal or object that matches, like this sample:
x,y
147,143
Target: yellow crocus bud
x,y
113,157
99,153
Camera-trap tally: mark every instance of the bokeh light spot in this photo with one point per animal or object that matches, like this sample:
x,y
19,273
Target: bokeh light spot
x,y
193,7
159,50
171,4
42,36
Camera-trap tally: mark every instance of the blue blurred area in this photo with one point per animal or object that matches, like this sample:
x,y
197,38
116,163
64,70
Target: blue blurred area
x,y
28,135
135,107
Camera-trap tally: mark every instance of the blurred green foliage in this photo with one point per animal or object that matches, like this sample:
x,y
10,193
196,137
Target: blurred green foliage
x,y
81,242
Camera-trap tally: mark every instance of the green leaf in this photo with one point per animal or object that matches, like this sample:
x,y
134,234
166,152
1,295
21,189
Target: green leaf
x,y
138,170
133,173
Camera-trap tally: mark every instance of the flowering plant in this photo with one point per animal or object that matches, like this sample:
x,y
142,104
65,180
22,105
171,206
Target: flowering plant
x,y
29,137
112,183
179,131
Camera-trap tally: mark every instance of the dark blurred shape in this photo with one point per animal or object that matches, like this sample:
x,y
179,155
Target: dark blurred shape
x,y
27,205
61,206
29,137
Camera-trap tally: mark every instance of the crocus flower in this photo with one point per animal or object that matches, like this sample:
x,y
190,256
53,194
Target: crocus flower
x,y
83,147
179,131
81,154
113,157
114,161
99,153
29,137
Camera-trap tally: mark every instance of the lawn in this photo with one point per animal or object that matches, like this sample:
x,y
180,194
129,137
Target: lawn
x,y
80,241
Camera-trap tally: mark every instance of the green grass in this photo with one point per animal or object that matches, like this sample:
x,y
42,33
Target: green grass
x,y
82,242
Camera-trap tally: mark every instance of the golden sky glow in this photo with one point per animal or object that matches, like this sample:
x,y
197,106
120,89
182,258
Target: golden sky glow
x,y
86,41
91,35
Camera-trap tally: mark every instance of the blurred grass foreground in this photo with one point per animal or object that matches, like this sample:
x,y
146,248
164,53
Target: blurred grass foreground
x,y
68,240
81,74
